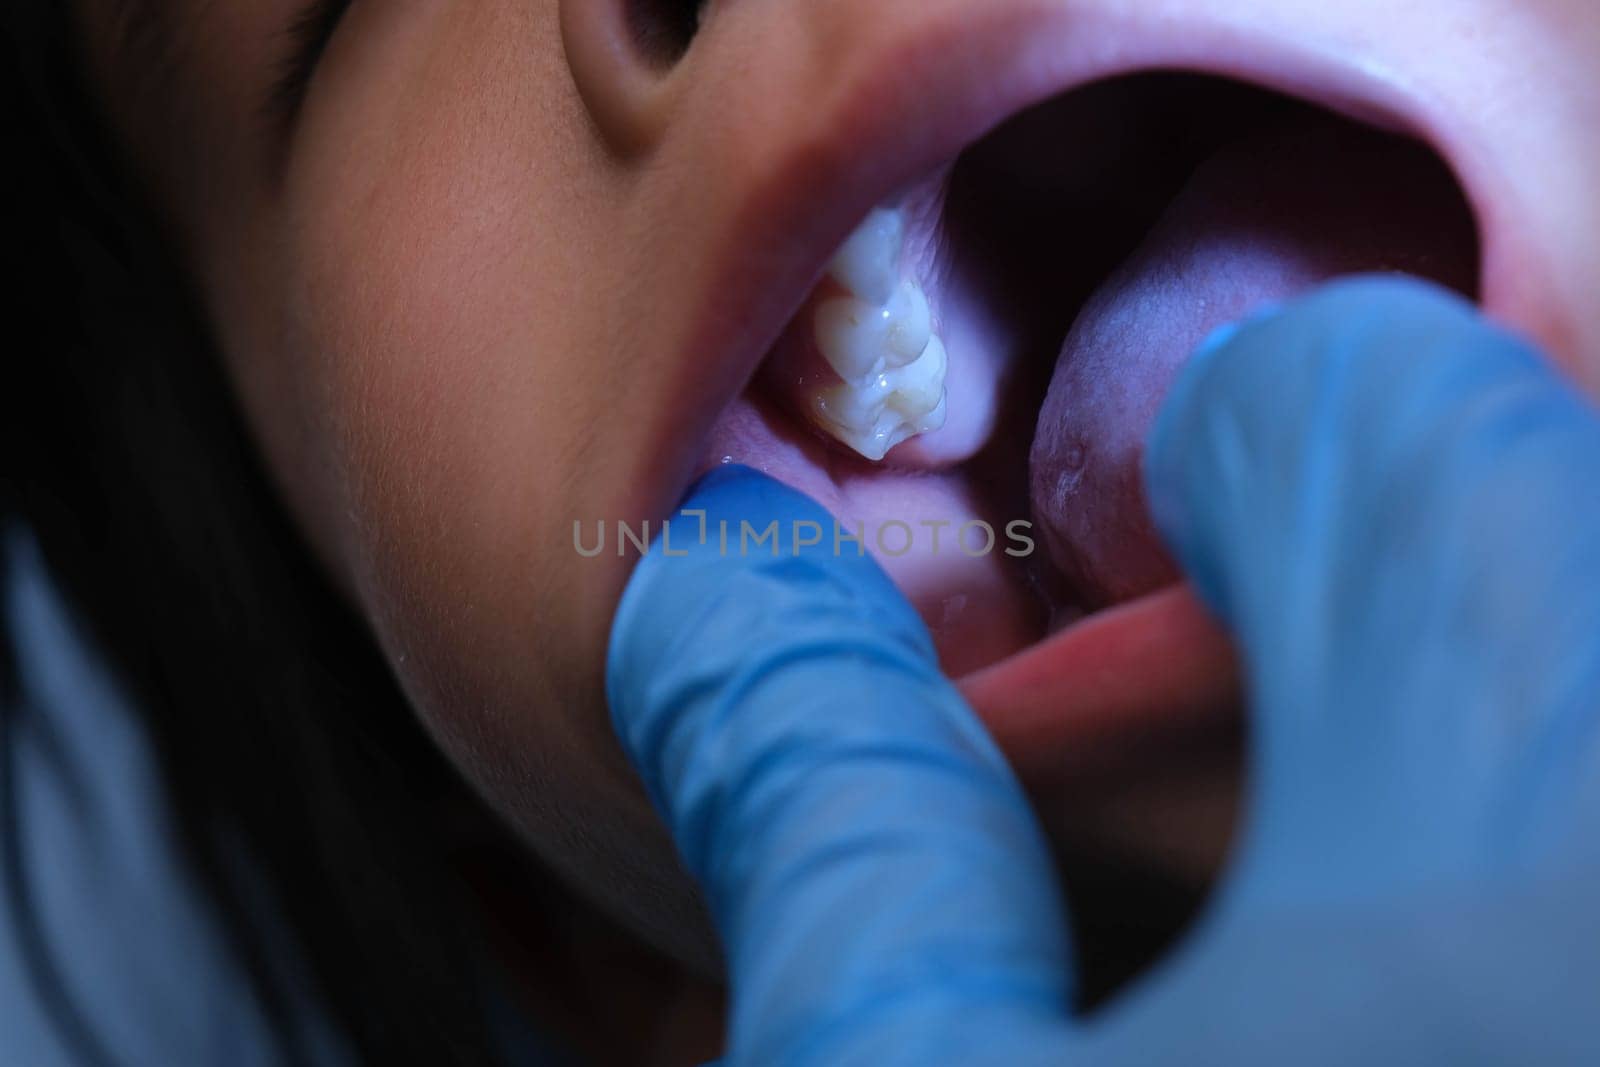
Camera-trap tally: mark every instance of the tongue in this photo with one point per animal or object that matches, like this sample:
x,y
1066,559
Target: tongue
x,y
1264,218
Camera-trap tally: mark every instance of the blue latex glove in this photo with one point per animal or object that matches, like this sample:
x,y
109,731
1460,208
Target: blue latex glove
x,y
870,862
1395,508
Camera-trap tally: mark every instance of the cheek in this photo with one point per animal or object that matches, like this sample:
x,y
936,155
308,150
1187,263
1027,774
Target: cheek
x,y
448,244
451,241
443,392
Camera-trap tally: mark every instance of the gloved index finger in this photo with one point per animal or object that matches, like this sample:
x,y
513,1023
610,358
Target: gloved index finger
x,y
1392,503
1368,408
868,856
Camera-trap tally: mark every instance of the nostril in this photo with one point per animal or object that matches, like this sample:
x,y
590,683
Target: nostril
x,y
663,29
620,53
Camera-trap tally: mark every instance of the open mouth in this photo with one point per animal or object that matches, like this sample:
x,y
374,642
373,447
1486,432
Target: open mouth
x,y
1070,260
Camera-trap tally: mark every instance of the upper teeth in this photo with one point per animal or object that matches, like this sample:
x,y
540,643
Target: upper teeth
x,y
879,340
868,261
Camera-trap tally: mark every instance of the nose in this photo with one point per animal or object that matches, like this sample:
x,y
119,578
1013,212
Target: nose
x,y
622,54
632,60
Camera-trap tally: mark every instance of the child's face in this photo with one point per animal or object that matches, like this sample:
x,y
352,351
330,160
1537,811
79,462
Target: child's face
x,y
496,277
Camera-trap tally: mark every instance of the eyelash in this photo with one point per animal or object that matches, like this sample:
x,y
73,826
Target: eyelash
x,y
307,39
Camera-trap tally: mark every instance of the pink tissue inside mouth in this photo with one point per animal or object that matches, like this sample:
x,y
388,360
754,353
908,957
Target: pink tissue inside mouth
x,y
1130,218
1263,218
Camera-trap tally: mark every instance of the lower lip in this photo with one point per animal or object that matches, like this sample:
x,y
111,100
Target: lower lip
x,y
1110,686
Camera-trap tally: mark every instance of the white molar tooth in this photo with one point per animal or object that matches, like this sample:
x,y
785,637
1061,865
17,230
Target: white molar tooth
x,y
910,324
879,340
916,389
853,336
868,262
874,441
889,434
853,406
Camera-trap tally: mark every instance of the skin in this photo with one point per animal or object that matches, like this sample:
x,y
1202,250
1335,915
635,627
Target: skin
x,y
481,288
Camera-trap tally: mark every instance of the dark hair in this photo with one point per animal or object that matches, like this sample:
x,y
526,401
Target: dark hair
x,y
282,737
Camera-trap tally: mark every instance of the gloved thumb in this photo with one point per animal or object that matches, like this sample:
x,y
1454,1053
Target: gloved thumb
x,y
881,887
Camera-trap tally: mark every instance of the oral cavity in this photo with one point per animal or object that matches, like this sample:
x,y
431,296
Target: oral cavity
x,y
1072,261
1265,217
874,330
